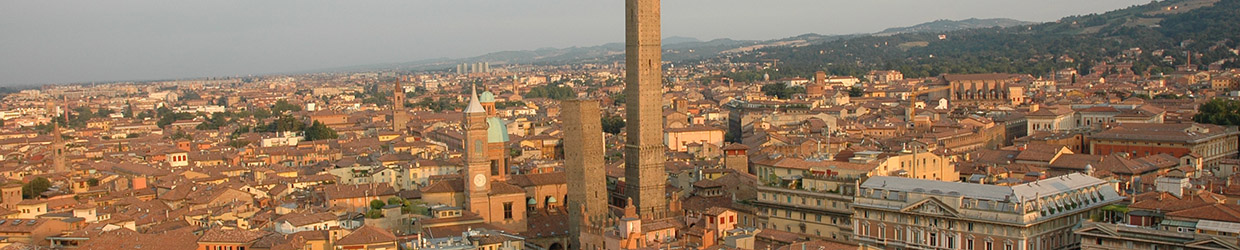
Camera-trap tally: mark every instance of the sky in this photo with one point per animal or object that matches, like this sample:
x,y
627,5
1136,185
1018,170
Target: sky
x,y
43,42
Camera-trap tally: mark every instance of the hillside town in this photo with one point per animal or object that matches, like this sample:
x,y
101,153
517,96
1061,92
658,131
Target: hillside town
x,y
630,155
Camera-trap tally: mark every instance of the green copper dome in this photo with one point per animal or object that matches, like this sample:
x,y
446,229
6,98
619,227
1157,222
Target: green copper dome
x,y
486,96
496,130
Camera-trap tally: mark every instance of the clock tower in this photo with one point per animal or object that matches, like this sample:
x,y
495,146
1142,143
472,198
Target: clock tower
x,y
477,167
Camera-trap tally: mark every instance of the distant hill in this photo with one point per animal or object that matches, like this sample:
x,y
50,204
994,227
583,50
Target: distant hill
x,y
950,25
1209,29
677,49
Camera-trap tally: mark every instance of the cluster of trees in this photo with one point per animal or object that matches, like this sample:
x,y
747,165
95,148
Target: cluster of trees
x,y
217,120
437,105
373,95
319,131
549,91
190,95
34,188
613,124
287,123
855,91
284,123
508,104
79,116
167,116
782,90
180,134
283,105
406,207
1219,111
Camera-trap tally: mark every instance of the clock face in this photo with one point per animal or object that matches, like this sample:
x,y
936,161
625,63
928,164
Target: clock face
x,y
479,180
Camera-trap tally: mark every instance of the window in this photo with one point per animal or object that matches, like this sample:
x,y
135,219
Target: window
x,y
1098,241
990,245
934,239
507,210
968,244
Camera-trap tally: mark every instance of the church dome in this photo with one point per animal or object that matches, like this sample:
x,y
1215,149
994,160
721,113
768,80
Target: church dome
x,y
496,130
486,96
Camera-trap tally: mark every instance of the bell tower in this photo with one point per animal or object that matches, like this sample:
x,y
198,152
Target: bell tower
x,y
399,118
477,167
58,146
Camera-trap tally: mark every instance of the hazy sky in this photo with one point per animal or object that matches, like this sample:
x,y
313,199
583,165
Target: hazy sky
x,y
82,41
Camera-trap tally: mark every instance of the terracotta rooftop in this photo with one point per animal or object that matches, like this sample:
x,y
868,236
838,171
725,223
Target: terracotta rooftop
x,y
231,236
366,235
1214,212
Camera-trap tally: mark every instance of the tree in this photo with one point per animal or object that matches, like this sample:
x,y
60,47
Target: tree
x,y
319,131
855,91
180,134
507,104
190,95
1220,112
377,204
613,124
415,207
283,124
167,116
374,213
396,201
781,90
438,105
284,105
238,143
35,187
551,92
217,120
92,182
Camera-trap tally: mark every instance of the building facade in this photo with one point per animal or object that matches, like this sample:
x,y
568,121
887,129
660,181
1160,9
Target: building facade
x,y
1212,143
898,213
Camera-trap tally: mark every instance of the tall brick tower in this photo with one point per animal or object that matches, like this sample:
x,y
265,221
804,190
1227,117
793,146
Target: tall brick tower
x,y
644,150
399,117
477,167
583,162
59,164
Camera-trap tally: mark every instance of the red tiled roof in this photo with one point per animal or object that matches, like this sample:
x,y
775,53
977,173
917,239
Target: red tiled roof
x,y
367,235
231,236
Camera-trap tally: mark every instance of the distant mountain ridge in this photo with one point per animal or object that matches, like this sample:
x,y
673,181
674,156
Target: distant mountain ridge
x,y
1155,38
676,48
944,25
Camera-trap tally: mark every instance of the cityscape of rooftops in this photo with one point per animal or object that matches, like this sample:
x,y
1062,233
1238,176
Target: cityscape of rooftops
x,y
635,124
